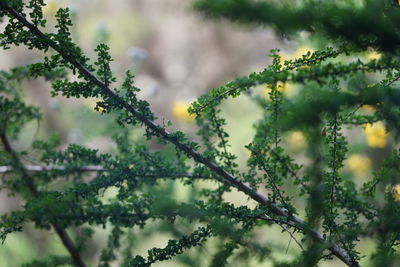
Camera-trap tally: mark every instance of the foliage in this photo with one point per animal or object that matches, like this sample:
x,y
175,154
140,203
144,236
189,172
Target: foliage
x,y
335,83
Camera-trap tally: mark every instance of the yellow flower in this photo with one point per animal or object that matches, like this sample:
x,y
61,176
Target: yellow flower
x,y
51,8
179,110
376,134
359,164
396,192
374,55
296,140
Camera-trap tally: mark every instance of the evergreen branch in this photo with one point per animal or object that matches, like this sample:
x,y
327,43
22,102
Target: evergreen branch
x,y
337,20
269,76
63,235
335,163
42,168
95,168
218,123
272,178
174,247
290,170
163,134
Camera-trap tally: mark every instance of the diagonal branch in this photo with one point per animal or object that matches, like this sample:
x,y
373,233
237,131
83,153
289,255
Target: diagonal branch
x,y
227,177
62,233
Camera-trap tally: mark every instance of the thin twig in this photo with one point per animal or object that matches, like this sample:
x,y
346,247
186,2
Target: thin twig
x,y
98,168
43,168
267,218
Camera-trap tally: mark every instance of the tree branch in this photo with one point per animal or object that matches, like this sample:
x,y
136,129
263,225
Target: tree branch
x,y
162,133
42,168
63,235
98,168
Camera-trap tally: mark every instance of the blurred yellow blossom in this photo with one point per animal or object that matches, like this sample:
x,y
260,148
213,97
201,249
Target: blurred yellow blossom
x,y
376,134
92,103
359,164
374,55
368,107
51,8
179,110
288,89
396,192
302,50
296,140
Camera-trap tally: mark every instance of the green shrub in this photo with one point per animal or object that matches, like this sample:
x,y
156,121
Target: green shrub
x,y
319,204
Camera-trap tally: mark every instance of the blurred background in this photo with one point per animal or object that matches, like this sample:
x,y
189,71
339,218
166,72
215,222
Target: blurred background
x,y
176,55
